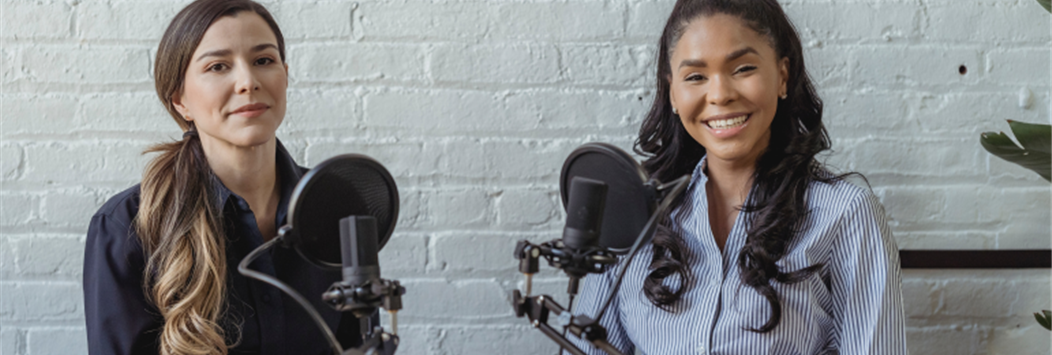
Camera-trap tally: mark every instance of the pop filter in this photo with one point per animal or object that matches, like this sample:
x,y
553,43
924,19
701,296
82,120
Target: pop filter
x,y
339,187
629,202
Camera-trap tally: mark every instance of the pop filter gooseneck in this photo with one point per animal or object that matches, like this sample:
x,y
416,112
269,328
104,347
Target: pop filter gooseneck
x,y
338,188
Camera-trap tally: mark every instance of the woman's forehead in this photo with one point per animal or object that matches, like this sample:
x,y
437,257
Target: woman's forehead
x,y
241,31
716,36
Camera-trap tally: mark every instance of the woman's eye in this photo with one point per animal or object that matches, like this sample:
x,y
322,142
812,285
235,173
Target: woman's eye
x,y
745,69
264,61
217,67
695,77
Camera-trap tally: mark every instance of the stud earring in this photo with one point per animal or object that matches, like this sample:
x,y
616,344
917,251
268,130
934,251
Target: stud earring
x,y
783,96
674,111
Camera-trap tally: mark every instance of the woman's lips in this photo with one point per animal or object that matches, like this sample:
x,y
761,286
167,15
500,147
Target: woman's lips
x,y
727,127
251,110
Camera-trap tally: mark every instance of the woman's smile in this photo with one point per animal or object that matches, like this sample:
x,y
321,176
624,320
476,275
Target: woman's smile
x,y
728,125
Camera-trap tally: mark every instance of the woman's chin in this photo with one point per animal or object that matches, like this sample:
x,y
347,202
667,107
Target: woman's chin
x,y
242,141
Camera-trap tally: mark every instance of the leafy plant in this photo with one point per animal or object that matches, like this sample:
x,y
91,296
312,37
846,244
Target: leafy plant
x,y
1044,318
1035,153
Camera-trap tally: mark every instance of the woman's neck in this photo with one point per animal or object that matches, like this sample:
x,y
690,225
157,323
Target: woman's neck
x,y
727,188
248,172
730,179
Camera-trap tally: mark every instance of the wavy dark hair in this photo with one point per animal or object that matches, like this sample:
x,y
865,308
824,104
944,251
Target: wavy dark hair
x,y
783,172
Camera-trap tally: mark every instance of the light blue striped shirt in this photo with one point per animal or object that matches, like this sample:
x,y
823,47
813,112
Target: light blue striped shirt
x,y
852,305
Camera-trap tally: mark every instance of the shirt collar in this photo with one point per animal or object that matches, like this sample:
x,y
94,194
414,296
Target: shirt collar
x,y
289,175
699,176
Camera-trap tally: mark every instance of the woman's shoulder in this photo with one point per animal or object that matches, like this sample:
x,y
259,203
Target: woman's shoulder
x,y
842,193
113,222
122,206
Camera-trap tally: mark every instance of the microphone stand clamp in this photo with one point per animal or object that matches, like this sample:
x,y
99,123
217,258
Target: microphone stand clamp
x,y
362,300
576,264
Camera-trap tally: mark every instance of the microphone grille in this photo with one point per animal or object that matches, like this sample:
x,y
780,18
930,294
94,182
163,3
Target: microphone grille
x,y
584,212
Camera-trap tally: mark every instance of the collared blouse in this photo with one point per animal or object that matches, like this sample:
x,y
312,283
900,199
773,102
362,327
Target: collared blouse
x,y
262,320
851,305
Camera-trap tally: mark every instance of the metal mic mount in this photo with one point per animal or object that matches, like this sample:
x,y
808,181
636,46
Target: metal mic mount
x,y
576,263
538,308
362,300
580,262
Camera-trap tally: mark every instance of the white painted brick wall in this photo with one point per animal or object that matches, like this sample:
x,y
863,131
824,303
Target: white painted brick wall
x,y
474,104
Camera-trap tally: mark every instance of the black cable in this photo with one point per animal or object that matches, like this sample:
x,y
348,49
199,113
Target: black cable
x,y
678,187
244,270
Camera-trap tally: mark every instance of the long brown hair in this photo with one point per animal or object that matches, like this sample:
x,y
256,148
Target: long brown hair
x,y
179,222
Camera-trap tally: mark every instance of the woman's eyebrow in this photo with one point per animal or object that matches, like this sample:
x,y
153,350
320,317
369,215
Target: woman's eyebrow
x,y
730,57
741,52
226,52
264,46
215,53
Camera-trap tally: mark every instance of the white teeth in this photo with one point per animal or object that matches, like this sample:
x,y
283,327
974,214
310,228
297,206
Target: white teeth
x,y
728,123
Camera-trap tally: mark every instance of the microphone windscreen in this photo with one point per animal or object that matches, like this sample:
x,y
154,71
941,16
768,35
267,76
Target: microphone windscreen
x,y
628,202
584,212
342,186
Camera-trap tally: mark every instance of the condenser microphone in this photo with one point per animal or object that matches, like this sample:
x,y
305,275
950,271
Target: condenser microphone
x,y
584,213
358,242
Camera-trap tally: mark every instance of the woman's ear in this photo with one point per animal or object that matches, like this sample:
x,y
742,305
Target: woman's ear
x,y
783,74
671,94
177,102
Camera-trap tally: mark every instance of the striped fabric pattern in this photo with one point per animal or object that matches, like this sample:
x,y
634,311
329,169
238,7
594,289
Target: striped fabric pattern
x,y
853,305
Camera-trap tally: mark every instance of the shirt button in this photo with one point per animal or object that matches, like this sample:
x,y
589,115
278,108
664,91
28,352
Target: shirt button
x,y
701,350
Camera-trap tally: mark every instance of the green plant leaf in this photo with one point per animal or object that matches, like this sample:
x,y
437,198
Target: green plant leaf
x,y
1044,320
1035,153
1047,4
1036,137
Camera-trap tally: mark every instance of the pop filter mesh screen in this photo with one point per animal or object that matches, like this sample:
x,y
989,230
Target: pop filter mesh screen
x,y
628,206
340,187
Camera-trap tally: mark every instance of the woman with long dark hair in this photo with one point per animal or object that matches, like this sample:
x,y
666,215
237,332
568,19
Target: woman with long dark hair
x,y
767,252
161,257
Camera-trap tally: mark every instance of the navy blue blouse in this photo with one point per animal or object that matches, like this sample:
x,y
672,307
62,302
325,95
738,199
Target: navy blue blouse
x,y
261,319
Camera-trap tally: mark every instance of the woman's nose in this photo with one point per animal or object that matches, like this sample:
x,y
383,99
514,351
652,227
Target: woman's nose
x,y
721,91
246,80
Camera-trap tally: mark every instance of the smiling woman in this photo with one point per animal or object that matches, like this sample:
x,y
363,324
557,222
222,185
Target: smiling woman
x,y
159,256
767,252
